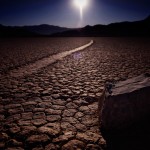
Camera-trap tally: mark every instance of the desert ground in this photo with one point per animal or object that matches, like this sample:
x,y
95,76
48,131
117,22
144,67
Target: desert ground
x,y
56,106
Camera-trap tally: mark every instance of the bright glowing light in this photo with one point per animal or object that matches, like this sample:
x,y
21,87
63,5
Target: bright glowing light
x,y
81,4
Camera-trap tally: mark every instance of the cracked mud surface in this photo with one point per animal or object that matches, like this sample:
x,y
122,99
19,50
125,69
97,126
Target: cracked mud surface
x,y
56,107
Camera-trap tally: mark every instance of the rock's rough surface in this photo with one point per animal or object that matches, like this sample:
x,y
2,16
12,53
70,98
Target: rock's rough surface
x,y
126,103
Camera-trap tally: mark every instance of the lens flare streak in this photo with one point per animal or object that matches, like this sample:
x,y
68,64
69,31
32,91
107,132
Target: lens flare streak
x,y
80,4
81,13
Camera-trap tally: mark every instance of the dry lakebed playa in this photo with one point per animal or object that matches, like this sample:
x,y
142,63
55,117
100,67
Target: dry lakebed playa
x,y
55,106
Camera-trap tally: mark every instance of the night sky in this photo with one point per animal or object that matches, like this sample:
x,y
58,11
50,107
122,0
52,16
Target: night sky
x,y
64,13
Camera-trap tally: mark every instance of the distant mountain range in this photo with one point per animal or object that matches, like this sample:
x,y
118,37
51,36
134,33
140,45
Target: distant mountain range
x,y
136,28
25,31
45,29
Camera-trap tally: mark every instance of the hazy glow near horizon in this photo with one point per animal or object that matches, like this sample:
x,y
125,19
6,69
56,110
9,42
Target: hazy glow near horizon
x,y
81,4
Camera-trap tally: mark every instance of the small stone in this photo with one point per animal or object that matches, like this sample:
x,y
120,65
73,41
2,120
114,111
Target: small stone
x,y
26,130
52,118
64,90
93,106
68,100
57,107
53,112
37,139
66,126
45,104
80,127
71,105
45,92
59,102
50,129
4,137
93,147
39,115
20,95
29,103
55,96
14,142
51,146
90,98
73,145
28,108
69,112
9,120
24,123
38,148
84,95
95,129
16,111
91,95
84,109
89,120
27,116
76,92
39,122
71,120
80,102
88,136
16,117
11,106
64,96
38,109
98,94
79,115
65,137
14,129
102,142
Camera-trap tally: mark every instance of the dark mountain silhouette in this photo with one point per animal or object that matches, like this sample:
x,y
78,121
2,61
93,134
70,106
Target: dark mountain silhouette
x,y
24,31
136,28
7,31
45,29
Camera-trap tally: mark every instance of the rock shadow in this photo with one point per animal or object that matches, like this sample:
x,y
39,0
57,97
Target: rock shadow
x,y
135,137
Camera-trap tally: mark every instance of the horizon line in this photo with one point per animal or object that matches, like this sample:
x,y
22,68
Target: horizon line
x,y
70,27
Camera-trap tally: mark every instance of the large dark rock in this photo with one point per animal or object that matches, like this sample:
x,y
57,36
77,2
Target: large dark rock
x,y
125,103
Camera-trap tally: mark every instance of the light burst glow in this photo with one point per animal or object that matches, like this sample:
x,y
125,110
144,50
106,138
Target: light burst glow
x,y
81,4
